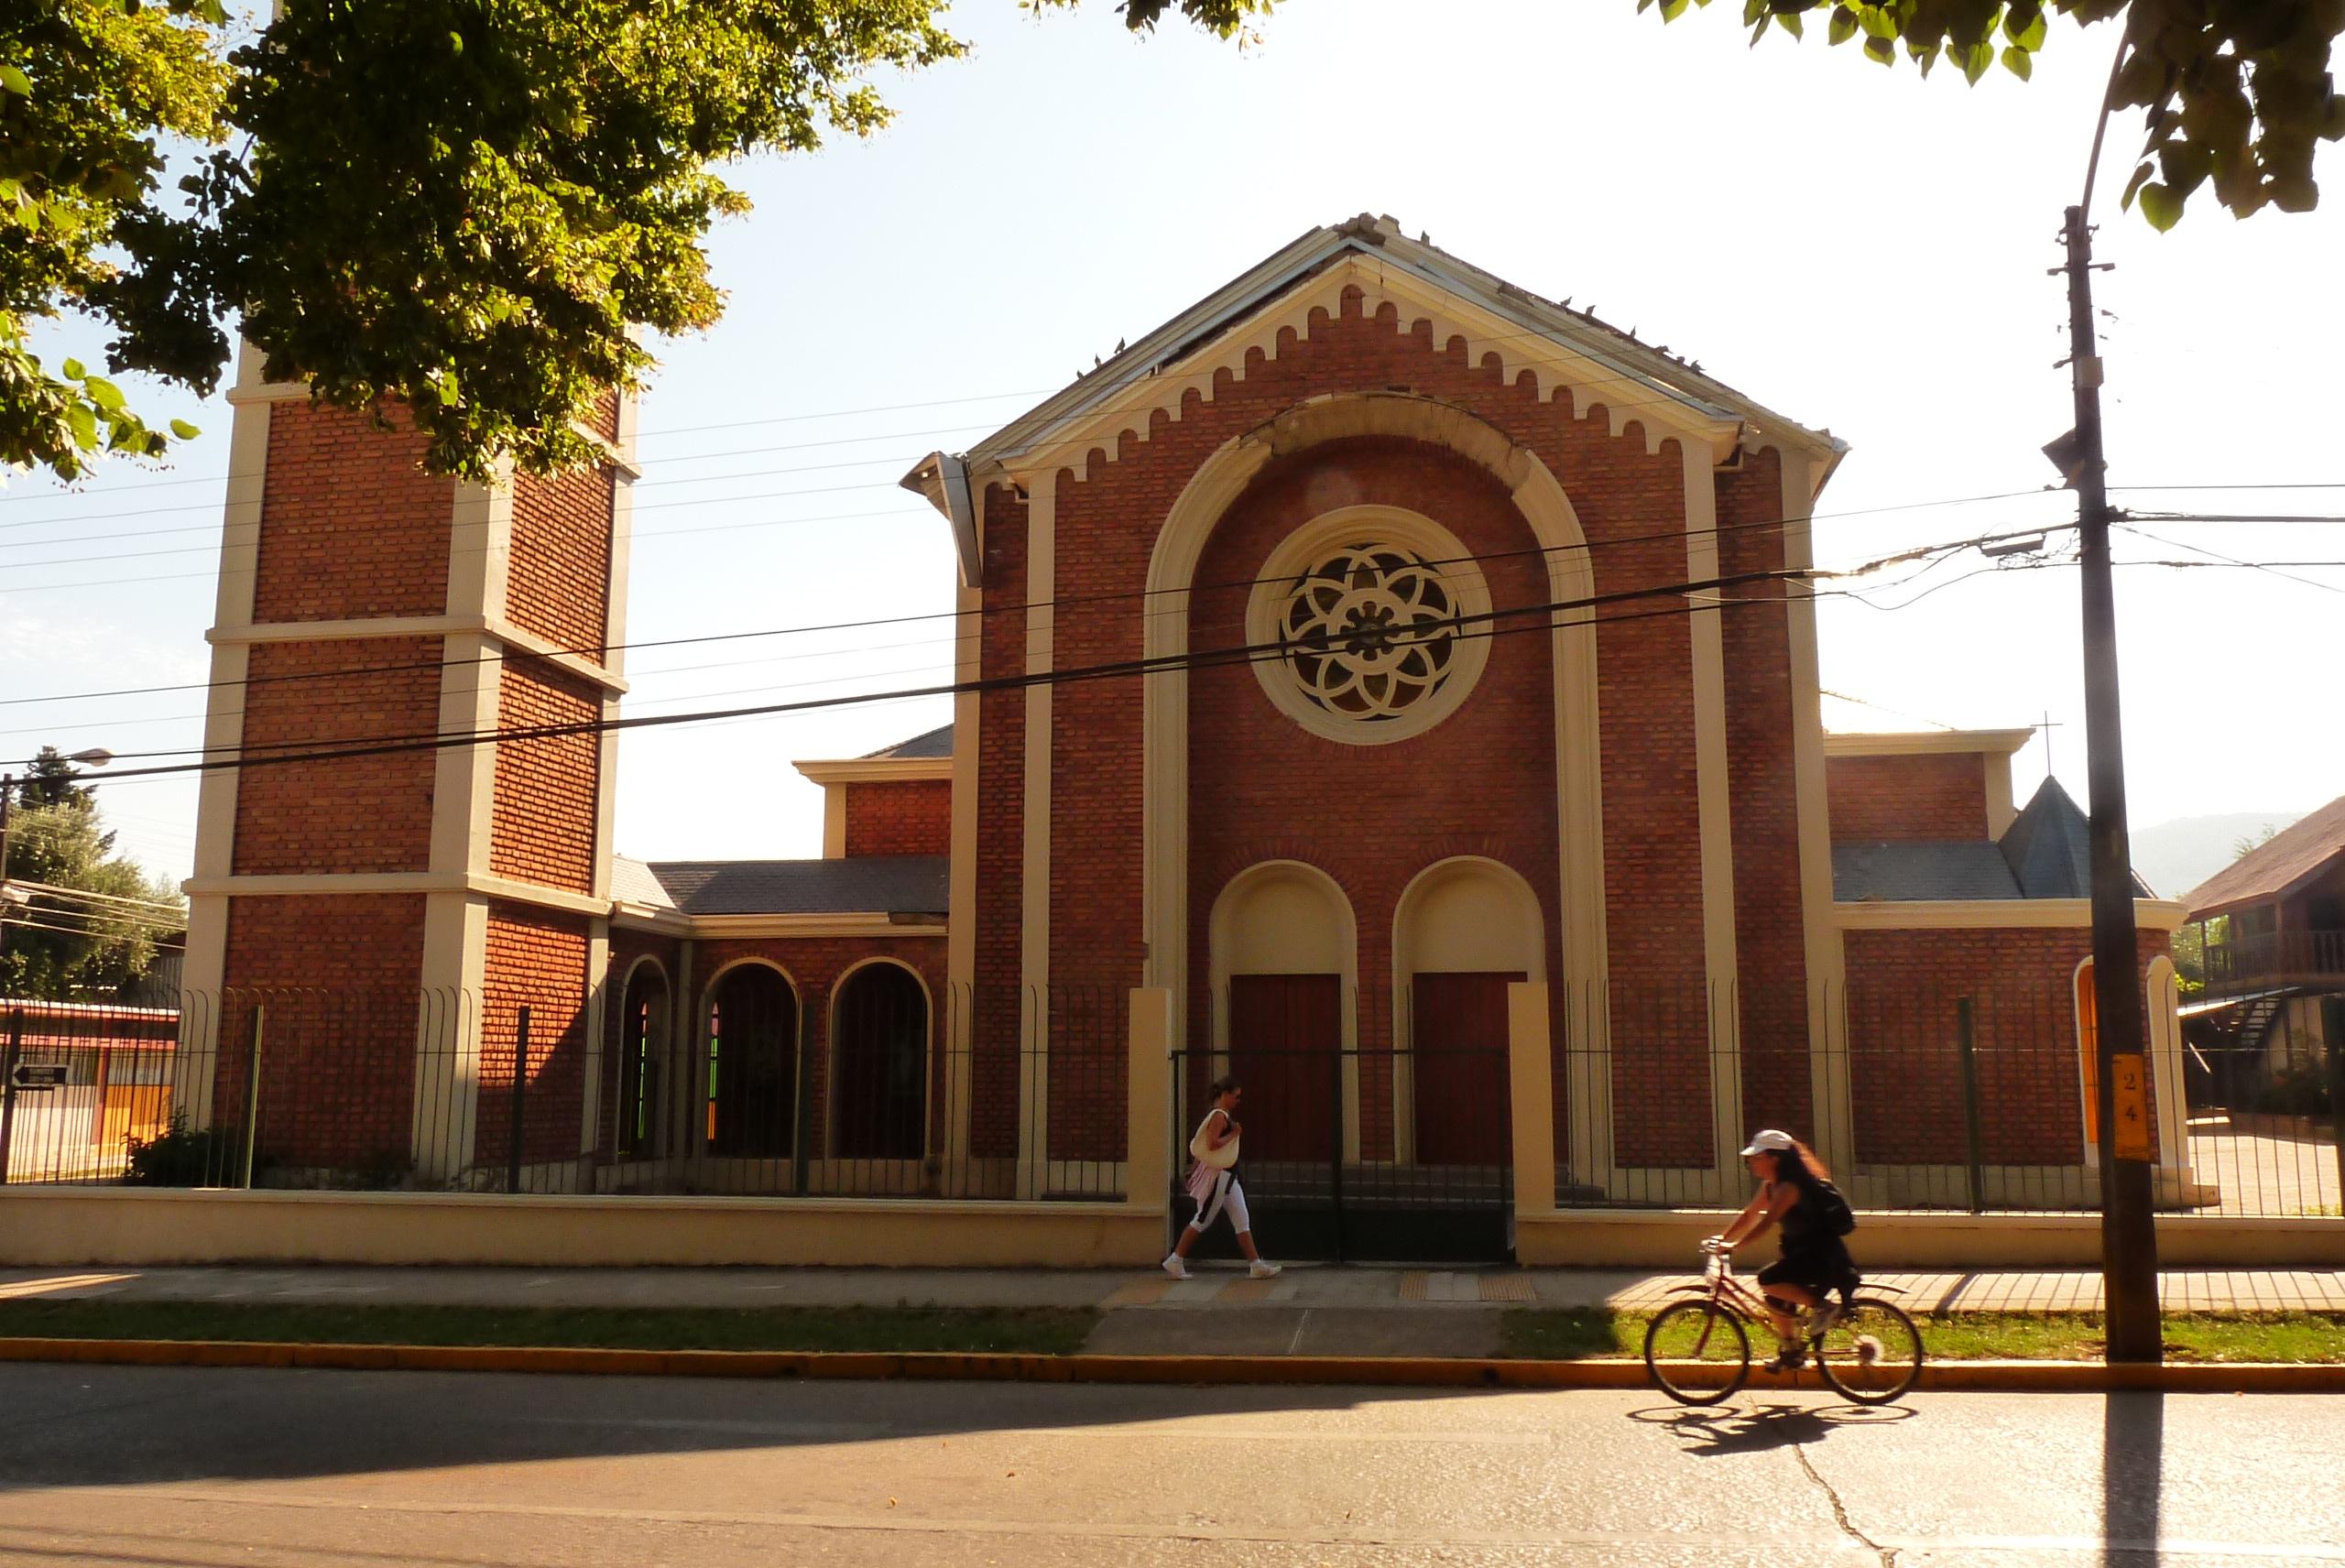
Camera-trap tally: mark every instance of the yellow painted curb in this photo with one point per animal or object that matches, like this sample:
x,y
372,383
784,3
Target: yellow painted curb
x,y
1385,1371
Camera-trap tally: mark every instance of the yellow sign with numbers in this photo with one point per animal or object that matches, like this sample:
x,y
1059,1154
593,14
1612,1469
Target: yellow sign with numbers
x,y
2130,1083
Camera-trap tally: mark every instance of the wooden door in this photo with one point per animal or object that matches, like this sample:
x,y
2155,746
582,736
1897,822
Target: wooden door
x,y
1286,1039
1458,1025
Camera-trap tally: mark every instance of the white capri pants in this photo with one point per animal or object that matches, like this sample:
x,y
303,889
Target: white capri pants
x,y
1228,1195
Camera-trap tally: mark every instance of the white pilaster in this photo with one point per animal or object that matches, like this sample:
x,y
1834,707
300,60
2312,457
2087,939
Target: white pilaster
x,y
1715,812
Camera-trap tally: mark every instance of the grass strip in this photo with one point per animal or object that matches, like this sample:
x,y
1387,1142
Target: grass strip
x,y
1047,1330
1575,1333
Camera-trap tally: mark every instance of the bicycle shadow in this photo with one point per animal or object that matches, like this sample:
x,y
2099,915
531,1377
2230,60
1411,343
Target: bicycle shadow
x,y
1758,1428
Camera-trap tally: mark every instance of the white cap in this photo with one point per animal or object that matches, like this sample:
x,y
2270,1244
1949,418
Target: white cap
x,y
1767,1140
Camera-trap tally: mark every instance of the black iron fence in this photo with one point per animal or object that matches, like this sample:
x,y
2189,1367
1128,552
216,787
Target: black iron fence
x,y
881,1090
1922,1096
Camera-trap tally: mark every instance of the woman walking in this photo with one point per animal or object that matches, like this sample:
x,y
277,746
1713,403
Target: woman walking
x,y
1213,1182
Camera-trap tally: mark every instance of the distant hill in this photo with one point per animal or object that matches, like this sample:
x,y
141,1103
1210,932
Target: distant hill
x,y
2174,857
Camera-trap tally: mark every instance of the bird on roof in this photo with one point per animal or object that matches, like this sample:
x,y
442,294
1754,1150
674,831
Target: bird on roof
x,y
1119,346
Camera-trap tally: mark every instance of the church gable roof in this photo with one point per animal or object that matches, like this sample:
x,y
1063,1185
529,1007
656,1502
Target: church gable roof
x,y
1563,347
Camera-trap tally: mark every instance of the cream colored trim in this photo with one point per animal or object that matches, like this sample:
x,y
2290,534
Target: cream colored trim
x,y
251,392
875,770
325,885
712,928
495,626
1034,948
1993,914
1219,482
2001,812
465,776
2161,995
1519,943
1305,549
206,965
1832,1117
607,798
443,1117
1225,961
1531,1076
1926,743
1127,414
1147,1152
599,1007
1713,789
607,450
960,896
647,917
834,821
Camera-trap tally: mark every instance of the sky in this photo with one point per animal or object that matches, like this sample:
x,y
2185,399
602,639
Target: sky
x,y
1853,246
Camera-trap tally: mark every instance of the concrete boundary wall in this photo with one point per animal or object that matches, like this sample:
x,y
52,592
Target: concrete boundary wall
x,y
1669,1238
155,1227
151,1227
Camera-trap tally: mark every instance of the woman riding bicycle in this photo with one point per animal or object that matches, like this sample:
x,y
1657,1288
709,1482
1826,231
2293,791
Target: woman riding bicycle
x,y
1795,1193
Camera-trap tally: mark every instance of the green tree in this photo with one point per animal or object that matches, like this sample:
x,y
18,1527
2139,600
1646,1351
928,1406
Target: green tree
x,y
61,947
2235,93
52,781
474,210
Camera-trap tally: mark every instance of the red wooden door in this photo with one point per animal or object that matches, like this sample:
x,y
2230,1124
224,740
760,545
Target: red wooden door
x,y
1286,1034
1459,1045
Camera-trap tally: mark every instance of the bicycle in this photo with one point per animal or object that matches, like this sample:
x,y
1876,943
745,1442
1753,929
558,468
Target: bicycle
x,y
1871,1353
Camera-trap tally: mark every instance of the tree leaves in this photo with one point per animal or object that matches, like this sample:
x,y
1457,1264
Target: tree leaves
x,y
2233,95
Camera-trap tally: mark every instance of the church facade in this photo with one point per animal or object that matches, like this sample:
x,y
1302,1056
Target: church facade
x,y
1380,682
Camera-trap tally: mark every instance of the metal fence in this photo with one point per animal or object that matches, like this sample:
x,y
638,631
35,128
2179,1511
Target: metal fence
x,y
1949,1098
880,1091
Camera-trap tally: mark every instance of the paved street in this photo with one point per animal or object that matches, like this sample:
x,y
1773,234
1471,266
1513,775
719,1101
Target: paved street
x,y
362,1470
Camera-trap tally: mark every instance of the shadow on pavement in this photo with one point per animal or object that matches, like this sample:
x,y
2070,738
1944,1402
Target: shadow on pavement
x,y
2133,1450
71,1426
1706,1433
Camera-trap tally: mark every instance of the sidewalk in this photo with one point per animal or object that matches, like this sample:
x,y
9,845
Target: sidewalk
x,y
1309,1310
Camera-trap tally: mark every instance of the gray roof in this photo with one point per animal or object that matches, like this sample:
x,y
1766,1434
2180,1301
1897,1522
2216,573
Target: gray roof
x,y
858,885
1865,872
936,743
2046,853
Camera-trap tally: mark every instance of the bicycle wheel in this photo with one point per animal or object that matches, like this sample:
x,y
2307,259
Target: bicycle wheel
x,y
1873,1353
1697,1353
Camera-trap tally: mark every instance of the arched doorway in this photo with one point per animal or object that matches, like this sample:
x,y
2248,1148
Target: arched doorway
x,y
879,1065
1463,930
1285,963
752,1063
639,1129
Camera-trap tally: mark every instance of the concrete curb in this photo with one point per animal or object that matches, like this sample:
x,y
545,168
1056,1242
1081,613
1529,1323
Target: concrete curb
x,y
1378,1371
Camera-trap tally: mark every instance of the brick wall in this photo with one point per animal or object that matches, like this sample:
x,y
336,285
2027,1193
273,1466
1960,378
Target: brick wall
x,y
542,828
915,817
1905,1082
536,959
347,814
351,526
1106,525
335,977
558,585
999,916
1770,920
1876,799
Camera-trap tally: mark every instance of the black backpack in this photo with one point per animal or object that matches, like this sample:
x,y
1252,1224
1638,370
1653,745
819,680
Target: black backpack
x,y
1832,1212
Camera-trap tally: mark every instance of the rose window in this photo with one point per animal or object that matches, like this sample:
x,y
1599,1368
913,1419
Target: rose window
x,y
1370,632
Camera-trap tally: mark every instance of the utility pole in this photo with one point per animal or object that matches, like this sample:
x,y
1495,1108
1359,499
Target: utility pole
x,y
2129,1243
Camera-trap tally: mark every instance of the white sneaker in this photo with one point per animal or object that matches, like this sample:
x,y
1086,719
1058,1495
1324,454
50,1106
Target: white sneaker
x,y
1176,1266
1821,1318
1260,1270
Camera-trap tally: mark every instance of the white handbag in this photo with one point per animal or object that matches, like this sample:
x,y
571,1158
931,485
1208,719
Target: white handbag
x,y
1220,1158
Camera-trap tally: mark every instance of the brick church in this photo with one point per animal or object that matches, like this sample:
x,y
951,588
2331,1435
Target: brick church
x,y
1374,669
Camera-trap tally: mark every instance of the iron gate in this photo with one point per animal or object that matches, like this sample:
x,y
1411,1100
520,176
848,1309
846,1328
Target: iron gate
x,y
1361,1156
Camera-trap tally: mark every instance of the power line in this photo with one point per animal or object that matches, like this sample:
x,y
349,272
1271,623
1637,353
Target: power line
x,y
2230,560
1957,545
1016,608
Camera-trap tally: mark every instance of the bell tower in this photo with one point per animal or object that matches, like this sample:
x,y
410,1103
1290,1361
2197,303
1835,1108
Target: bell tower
x,y
382,887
